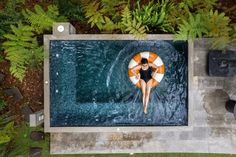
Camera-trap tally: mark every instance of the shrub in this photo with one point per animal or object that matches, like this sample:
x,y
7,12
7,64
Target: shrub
x,y
218,28
9,15
105,15
198,6
22,48
192,28
207,24
131,25
41,20
108,16
7,133
71,9
154,15
2,104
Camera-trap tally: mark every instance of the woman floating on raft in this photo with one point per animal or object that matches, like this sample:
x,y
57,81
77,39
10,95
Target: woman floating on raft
x,y
146,75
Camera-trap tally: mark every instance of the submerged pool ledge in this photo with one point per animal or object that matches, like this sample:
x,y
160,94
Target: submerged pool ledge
x,y
65,31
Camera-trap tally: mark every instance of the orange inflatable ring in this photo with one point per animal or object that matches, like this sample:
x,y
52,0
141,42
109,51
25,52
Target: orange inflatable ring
x,y
152,58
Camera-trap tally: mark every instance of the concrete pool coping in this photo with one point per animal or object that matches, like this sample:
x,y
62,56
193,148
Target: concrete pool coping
x,y
68,33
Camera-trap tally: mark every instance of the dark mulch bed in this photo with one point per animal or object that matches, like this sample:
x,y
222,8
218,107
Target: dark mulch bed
x,y
229,7
31,88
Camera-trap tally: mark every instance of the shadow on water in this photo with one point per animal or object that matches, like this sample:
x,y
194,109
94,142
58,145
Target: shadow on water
x,y
106,97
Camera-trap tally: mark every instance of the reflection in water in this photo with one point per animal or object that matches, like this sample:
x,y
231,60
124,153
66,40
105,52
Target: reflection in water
x,y
96,91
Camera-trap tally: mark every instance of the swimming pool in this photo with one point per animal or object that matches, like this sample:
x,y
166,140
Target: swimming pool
x,y
89,85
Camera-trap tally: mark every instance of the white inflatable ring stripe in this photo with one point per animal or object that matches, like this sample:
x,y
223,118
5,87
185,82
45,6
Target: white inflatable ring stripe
x,y
132,64
158,61
134,80
145,55
158,77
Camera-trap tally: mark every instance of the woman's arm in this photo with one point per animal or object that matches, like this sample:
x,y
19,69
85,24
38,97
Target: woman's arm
x,y
134,69
154,66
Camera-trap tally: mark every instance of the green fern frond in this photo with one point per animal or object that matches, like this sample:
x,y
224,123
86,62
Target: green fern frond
x,y
42,20
109,25
22,50
4,138
218,28
71,9
155,15
131,25
220,43
95,14
10,14
233,32
18,71
192,28
136,28
126,17
114,10
217,24
145,14
198,6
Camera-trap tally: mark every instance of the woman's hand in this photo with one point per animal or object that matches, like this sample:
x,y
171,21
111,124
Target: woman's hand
x,y
136,68
157,69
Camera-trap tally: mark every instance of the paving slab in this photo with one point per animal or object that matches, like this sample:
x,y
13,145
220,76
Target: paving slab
x,y
13,92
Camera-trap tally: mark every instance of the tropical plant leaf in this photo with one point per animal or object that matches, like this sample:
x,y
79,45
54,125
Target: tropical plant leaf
x,y
2,102
41,20
113,10
198,6
192,28
22,50
71,9
155,15
4,138
217,24
126,17
10,14
7,133
94,14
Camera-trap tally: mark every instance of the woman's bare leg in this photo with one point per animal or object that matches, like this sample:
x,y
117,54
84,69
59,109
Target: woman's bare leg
x,y
143,87
148,90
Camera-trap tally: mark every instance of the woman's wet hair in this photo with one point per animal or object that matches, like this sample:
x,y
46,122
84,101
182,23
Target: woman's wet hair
x,y
144,61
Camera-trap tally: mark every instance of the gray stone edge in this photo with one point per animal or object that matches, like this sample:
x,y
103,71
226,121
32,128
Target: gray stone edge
x,y
46,78
47,127
190,82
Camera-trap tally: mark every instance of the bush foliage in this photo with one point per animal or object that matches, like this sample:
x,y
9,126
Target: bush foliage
x,y
2,104
71,9
188,19
21,46
41,20
22,49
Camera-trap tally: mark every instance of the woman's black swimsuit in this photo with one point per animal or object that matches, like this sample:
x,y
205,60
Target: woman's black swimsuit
x,y
146,75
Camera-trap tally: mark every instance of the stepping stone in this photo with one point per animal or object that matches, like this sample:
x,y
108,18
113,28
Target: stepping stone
x,y
1,77
14,92
230,105
235,112
35,152
214,102
222,64
37,135
26,111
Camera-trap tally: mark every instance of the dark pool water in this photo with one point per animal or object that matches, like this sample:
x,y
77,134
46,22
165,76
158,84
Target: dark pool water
x,y
89,85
